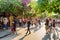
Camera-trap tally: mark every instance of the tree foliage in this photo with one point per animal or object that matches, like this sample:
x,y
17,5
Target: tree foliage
x,y
49,5
12,6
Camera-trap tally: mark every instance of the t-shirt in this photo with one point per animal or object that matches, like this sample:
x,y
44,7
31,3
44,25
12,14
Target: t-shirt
x,y
5,20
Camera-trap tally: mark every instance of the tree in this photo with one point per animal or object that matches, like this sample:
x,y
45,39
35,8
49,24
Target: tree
x,y
49,5
12,6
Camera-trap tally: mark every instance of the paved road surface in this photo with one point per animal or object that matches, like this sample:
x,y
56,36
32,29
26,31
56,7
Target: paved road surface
x,y
36,34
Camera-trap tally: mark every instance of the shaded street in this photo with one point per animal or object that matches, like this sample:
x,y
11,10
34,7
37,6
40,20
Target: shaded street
x,y
36,34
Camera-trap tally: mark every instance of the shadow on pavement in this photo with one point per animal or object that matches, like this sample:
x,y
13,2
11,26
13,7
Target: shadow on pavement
x,y
23,37
32,28
36,29
46,37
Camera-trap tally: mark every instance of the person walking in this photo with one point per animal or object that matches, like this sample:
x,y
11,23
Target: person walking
x,y
48,29
47,26
20,22
28,27
39,22
14,25
0,24
5,21
12,28
50,24
54,30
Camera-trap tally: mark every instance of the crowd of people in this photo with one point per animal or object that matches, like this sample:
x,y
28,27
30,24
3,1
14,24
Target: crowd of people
x,y
50,24
12,23
51,28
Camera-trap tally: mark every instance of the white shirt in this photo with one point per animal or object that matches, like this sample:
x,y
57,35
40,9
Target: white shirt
x,y
5,20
